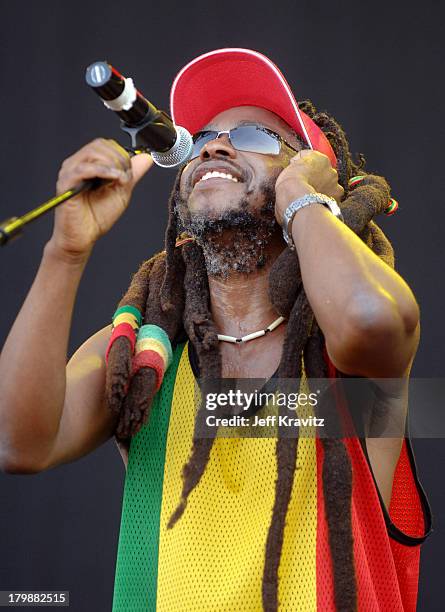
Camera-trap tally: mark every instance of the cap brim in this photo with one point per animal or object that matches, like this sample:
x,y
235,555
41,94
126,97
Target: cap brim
x,y
225,78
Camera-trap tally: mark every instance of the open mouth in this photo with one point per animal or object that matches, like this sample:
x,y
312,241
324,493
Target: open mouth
x,y
205,174
221,175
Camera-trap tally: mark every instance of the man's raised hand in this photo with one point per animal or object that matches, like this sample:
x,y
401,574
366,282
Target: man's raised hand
x,y
82,220
308,172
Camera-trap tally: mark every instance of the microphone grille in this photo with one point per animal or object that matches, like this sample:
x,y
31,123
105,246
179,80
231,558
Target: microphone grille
x,y
179,153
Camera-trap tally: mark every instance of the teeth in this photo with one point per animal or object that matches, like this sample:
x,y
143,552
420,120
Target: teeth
x,y
216,174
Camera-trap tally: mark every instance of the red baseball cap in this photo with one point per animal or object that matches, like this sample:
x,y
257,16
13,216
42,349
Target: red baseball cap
x,y
224,78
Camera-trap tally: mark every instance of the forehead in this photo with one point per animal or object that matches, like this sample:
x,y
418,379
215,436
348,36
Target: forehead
x,y
252,114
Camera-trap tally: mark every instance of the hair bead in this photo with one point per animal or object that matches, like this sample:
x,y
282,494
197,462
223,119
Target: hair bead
x,y
150,359
393,204
156,333
129,310
392,207
152,344
126,317
355,180
153,350
126,322
121,330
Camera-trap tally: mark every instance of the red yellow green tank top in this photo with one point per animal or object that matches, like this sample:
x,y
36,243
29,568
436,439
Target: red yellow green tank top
x,y
212,560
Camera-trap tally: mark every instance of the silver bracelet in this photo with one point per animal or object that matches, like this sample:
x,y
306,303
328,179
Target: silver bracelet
x,y
306,200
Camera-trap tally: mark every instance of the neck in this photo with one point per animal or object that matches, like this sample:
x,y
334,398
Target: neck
x,y
240,301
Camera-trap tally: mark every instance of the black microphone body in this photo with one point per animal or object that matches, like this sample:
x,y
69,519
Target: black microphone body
x,y
149,127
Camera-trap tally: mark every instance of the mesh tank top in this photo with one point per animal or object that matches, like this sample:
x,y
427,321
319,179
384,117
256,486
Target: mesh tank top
x,y
213,558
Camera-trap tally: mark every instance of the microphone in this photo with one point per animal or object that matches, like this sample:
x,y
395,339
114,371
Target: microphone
x,y
149,128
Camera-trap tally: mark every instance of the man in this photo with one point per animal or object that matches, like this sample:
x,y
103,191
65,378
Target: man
x,y
261,523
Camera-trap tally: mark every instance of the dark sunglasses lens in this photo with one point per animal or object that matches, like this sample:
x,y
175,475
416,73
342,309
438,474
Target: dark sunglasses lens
x,y
254,140
200,140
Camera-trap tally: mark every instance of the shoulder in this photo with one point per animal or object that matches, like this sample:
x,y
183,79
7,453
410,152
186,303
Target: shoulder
x,y
95,344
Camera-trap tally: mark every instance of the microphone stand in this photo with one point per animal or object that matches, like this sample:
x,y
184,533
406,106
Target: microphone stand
x,y
12,227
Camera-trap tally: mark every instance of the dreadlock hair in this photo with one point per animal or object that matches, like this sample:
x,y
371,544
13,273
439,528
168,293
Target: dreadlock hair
x,y
171,290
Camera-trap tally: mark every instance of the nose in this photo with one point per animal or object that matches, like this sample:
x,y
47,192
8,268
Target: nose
x,y
217,147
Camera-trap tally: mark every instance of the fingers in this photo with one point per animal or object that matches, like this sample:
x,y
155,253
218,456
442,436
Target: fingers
x,y
90,170
311,153
101,158
119,149
318,171
102,148
140,164
340,192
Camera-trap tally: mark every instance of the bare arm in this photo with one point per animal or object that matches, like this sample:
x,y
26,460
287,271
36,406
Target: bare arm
x,y
51,413
366,311
86,420
33,361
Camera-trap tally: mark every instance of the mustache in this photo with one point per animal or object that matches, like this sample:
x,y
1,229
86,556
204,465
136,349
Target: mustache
x,y
266,189
237,169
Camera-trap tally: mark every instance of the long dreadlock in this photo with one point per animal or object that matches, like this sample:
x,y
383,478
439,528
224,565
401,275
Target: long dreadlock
x,y
171,290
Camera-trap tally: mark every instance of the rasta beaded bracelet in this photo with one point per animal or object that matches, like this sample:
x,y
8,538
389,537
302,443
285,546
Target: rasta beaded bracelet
x,y
393,204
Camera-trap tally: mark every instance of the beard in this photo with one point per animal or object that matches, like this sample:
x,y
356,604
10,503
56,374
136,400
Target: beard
x,y
236,239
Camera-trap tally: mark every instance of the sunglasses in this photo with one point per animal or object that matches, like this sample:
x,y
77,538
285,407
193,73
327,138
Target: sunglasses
x,y
249,138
